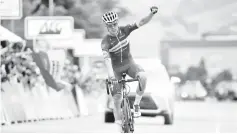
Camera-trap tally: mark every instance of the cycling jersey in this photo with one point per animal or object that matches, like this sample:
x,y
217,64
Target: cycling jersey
x,y
118,46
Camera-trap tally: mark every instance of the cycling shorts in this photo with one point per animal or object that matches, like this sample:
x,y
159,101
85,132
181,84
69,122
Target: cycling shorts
x,y
131,69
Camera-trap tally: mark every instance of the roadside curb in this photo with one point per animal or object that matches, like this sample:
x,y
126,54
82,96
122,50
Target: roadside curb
x,y
36,120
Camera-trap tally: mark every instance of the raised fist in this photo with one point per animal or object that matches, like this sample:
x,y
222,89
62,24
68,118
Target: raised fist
x,y
154,9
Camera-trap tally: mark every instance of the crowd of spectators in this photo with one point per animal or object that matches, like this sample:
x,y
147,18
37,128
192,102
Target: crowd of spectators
x,y
16,62
17,65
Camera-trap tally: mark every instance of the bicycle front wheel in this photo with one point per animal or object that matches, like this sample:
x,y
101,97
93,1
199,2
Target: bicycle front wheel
x,y
127,117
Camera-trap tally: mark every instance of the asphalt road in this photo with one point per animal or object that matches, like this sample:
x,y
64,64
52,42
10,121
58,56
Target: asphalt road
x,y
190,117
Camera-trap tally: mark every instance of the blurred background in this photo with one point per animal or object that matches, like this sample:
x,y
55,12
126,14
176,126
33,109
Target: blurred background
x,y
194,40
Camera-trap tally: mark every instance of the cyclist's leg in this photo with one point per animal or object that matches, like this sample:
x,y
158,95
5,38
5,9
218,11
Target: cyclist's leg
x,y
117,98
136,71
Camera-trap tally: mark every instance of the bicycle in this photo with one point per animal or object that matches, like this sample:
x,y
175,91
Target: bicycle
x,y
127,115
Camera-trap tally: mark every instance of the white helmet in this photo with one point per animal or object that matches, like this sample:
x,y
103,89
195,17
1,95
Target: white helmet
x,y
110,17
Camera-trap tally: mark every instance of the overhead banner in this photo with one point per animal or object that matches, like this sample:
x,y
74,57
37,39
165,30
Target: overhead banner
x,y
53,27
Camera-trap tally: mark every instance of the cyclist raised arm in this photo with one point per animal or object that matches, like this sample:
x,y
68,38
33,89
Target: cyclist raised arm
x,y
118,59
147,18
111,24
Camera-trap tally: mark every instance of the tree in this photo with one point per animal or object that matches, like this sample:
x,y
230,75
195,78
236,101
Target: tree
x,y
86,13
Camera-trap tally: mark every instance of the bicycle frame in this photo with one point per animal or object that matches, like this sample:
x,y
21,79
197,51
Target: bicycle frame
x,y
127,119
123,82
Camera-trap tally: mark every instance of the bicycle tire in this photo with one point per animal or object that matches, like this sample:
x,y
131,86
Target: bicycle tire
x,y
127,118
125,125
130,115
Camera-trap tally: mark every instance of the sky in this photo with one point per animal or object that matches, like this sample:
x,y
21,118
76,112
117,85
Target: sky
x,y
141,7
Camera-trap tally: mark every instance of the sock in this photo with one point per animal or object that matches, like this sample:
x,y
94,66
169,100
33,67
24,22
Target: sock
x,y
137,99
119,122
119,125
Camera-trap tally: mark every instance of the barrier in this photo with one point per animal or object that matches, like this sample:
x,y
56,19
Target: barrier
x,y
22,104
4,117
81,102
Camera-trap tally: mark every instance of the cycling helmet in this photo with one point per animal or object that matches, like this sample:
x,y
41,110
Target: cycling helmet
x,y
110,17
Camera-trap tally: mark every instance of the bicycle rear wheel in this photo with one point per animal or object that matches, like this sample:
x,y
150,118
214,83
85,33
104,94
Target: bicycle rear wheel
x,y
127,117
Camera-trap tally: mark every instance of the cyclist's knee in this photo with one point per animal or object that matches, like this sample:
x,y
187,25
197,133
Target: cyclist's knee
x,y
142,79
116,89
117,98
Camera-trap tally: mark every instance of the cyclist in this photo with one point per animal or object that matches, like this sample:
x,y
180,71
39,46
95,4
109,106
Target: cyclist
x,y
118,59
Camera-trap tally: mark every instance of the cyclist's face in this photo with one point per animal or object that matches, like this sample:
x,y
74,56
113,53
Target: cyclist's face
x,y
113,28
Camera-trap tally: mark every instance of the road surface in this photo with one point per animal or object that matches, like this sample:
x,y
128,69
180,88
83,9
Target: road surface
x,y
190,117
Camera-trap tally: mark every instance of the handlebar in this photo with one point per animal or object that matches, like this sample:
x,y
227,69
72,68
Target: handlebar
x,y
123,81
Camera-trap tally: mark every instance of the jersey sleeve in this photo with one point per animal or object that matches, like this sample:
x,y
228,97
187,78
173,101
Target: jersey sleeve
x,y
104,45
131,27
105,48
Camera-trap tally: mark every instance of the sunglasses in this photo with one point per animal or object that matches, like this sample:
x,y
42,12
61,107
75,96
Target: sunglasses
x,y
115,24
